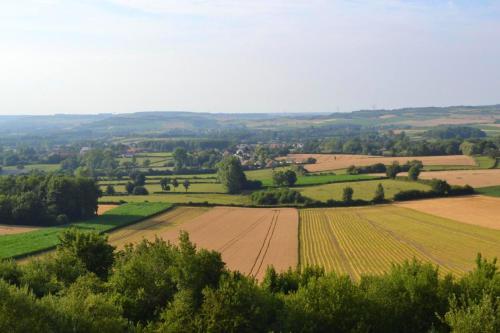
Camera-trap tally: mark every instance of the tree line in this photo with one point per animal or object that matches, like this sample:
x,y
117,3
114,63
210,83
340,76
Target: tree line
x,y
87,286
46,199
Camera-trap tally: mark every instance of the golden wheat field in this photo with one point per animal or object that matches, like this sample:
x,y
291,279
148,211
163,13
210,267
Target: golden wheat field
x,y
367,240
326,162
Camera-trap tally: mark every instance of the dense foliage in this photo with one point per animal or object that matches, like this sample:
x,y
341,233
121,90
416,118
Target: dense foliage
x,y
230,174
455,132
42,200
277,197
160,287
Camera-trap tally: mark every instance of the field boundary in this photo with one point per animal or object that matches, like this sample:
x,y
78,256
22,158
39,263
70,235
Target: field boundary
x,y
68,226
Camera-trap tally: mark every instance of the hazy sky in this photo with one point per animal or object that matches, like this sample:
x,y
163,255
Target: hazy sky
x,y
90,56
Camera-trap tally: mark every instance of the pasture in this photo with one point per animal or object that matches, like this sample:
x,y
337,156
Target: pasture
x,y
326,162
474,178
362,190
367,240
182,198
492,191
22,244
249,239
477,210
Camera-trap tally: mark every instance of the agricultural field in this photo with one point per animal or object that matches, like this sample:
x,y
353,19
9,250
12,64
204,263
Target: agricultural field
x,y
22,244
249,239
193,188
183,198
492,191
30,167
367,240
266,177
6,229
477,210
474,178
326,162
362,190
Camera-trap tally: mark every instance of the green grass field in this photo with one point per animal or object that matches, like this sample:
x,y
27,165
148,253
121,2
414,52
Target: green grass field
x,y
213,198
485,162
492,191
367,240
362,190
266,177
45,238
39,167
193,188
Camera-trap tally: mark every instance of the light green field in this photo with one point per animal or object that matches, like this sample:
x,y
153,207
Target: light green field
x,y
266,177
39,167
362,190
213,198
367,240
492,191
193,188
45,238
485,162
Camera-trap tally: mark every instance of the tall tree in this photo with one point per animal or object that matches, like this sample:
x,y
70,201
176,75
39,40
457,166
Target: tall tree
x,y
231,175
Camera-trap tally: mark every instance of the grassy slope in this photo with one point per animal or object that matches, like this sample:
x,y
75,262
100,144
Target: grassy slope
x,y
492,191
366,240
45,238
362,190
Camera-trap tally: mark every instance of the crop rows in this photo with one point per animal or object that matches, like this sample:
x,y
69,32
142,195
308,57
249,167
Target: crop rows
x,y
359,241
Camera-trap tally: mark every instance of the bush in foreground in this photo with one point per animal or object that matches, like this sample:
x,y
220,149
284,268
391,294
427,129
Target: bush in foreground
x,y
161,287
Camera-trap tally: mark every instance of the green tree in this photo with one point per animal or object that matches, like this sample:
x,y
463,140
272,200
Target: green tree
x,y
91,248
347,194
393,170
230,174
186,184
140,190
175,183
379,194
439,186
110,190
180,157
414,172
164,184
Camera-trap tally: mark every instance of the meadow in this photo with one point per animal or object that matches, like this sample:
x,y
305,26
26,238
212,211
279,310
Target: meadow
x,y
358,241
362,190
492,191
22,244
182,198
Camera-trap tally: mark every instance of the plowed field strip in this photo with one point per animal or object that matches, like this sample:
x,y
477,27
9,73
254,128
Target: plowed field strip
x,y
265,244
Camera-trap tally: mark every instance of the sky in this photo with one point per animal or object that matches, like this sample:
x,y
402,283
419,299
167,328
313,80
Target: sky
x,y
95,56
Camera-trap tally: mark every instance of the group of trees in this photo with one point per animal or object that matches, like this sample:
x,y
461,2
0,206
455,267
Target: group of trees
x,y
45,200
166,182
284,178
231,175
278,196
159,287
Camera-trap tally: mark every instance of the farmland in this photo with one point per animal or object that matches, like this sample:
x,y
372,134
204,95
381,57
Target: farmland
x,y
22,244
183,198
492,191
367,240
326,162
474,178
15,229
477,210
362,190
248,239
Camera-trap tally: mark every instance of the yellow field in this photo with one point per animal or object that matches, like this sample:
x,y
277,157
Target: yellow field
x,y
155,226
367,240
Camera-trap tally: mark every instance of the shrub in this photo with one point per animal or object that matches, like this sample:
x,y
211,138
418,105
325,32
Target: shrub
x,y
277,196
110,190
347,194
62,219
140,190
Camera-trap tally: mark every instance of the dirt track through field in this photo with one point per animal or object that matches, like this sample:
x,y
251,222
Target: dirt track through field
x,y
326,162
15,229
249,239
474,178
101,209
477,210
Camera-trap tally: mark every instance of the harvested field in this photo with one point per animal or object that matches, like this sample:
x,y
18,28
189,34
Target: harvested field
x,y
477,210
101,209
154,226
15,229
249,239
474,178
367,240
325,162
